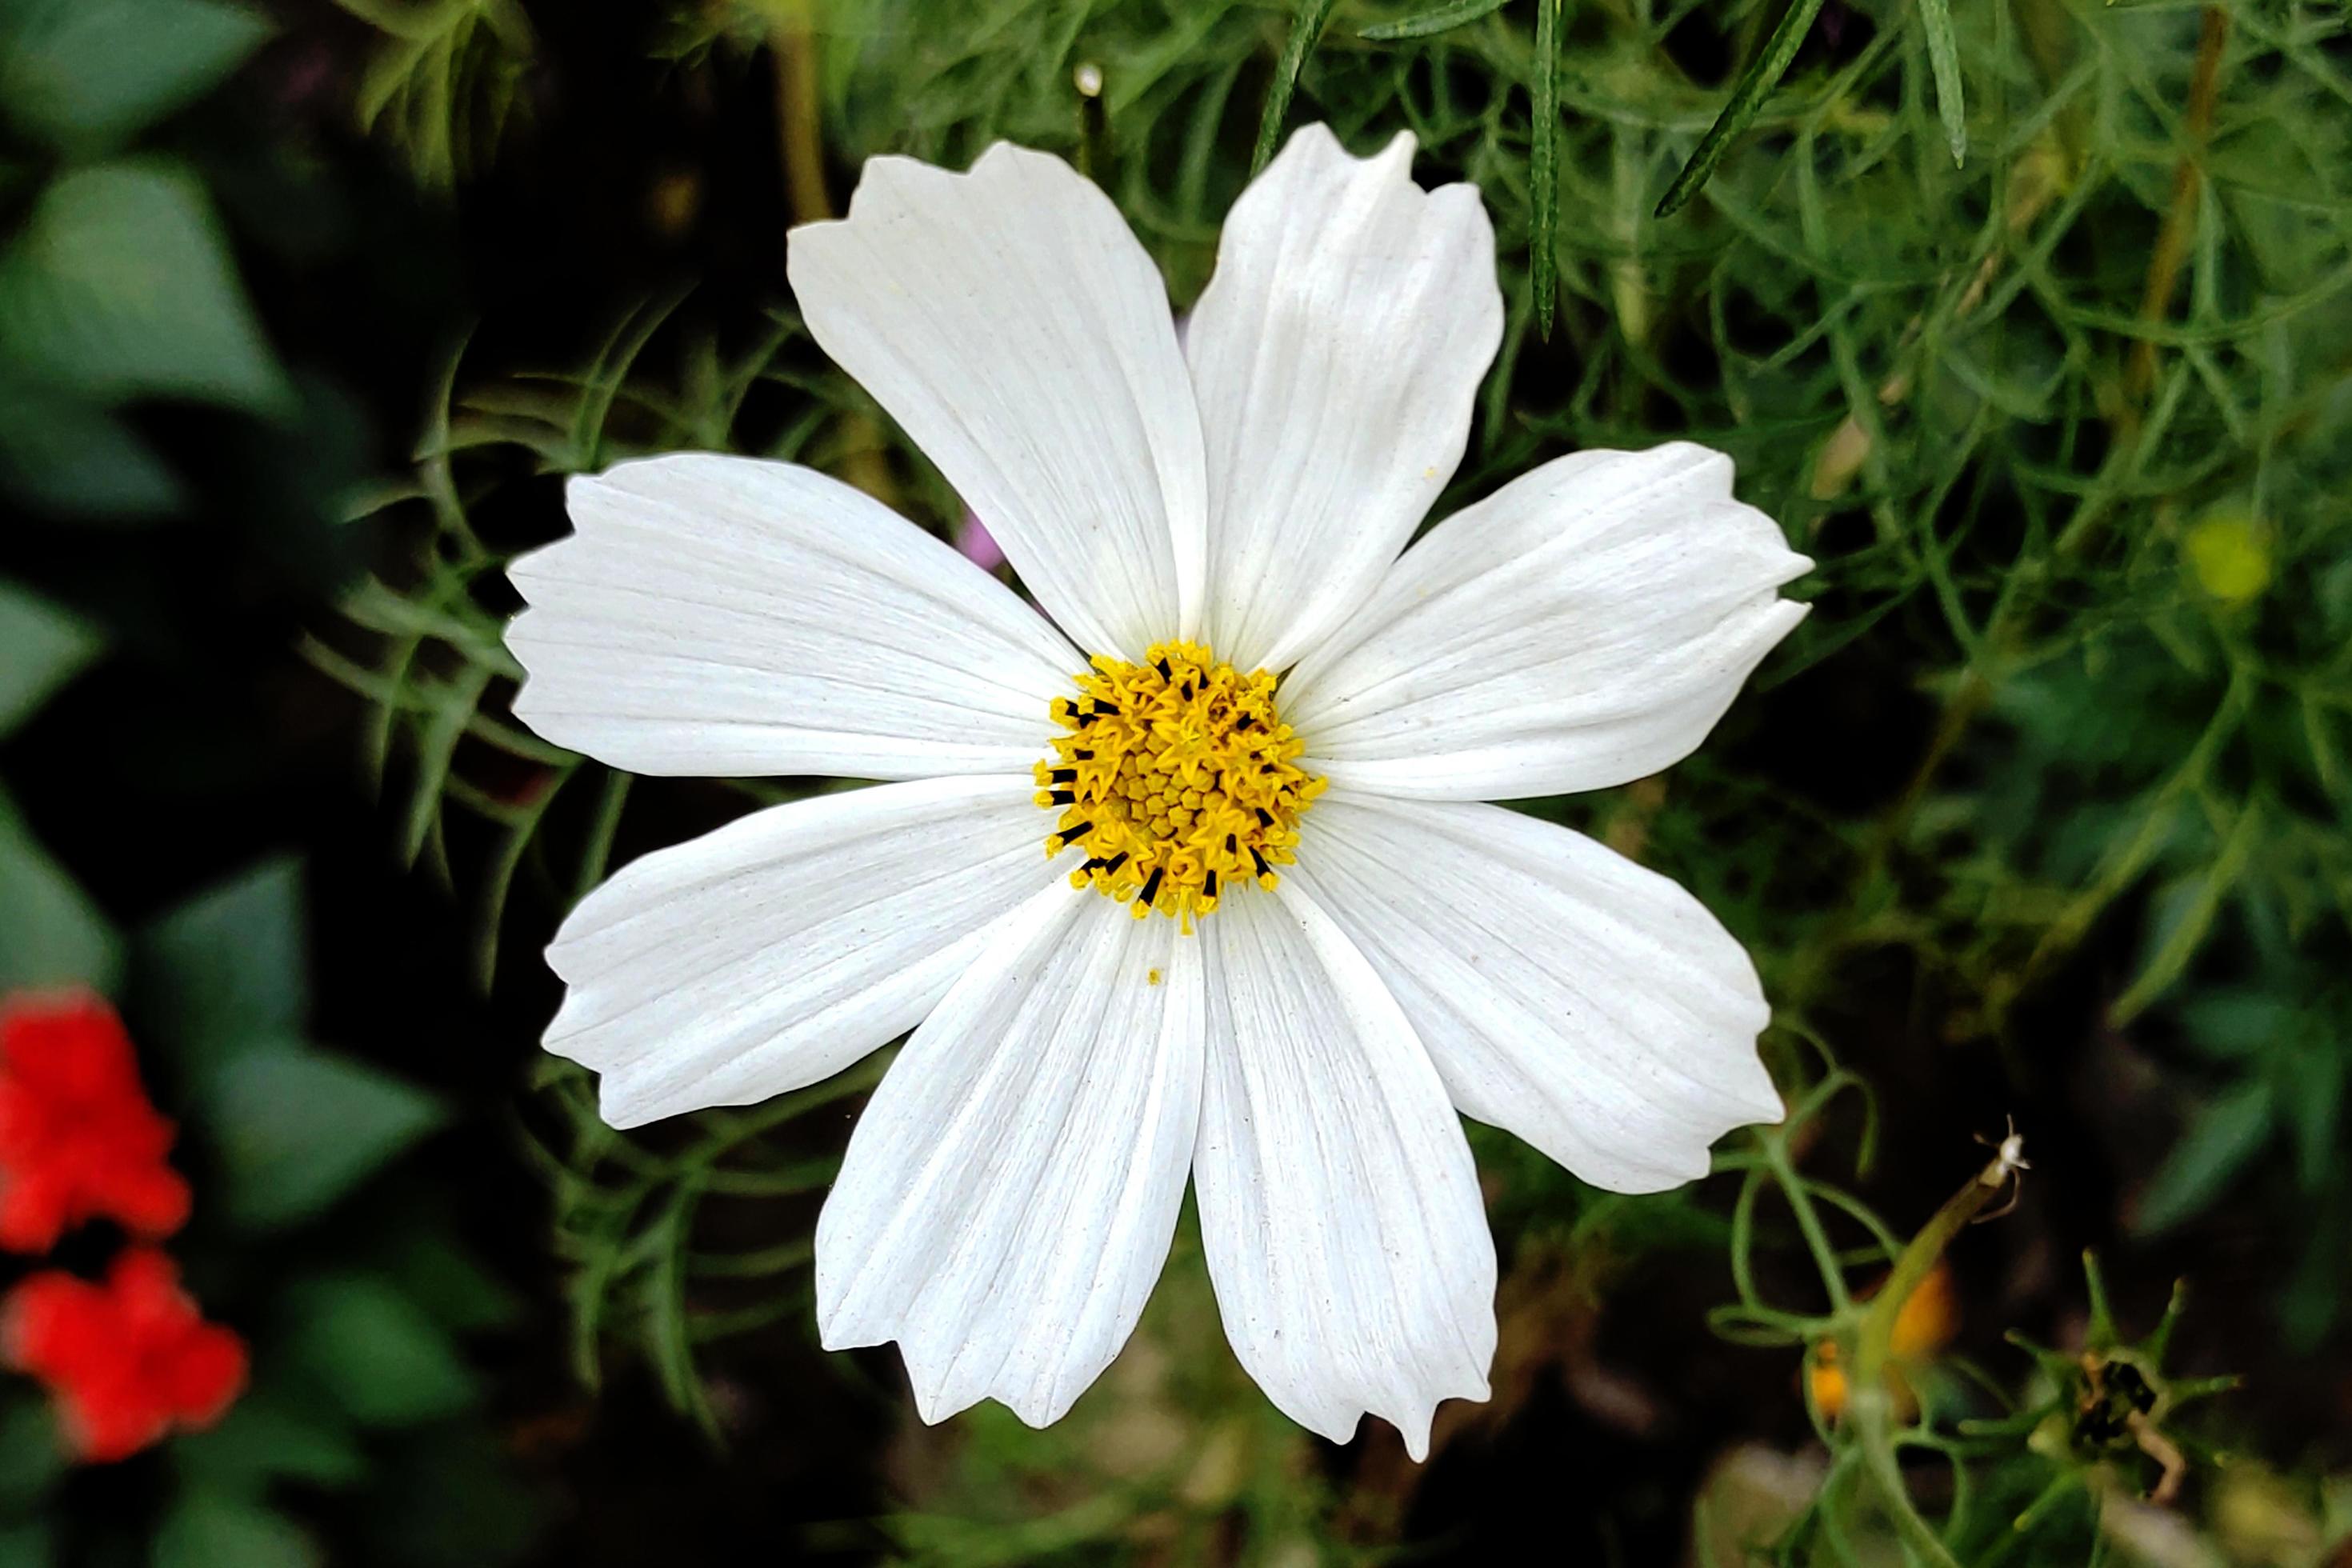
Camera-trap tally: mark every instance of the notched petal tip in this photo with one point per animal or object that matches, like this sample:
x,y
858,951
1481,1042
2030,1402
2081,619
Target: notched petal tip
x,y
1315,140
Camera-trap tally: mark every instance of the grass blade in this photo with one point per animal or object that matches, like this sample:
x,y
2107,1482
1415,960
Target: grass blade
x,y
1306,26
1428,24
1746,101
1944,60
1543,168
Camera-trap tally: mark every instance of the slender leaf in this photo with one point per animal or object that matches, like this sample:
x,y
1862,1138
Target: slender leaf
x,y
2196,917
1747,101
2215,1146
1543,167
1428,24
1306,26
1944,60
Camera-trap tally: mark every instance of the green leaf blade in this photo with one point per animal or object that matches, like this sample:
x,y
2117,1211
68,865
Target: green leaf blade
x,y
1944,62
297,1128
51,934
42,646
2225,1136
1543,168
1305,27
1429,24
228,968
122,286
85,73
1747,96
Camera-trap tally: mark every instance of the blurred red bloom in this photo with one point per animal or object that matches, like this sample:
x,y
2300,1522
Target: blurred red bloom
x,y
128,1360
78,1138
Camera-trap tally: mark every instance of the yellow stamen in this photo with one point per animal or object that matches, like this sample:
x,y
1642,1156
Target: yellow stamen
x,y
1178,777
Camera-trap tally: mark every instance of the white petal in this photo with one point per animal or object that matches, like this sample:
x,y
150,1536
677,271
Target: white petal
x,y
1584,1003
1009,320
1583,625
726,616
1336,356
1009,1195
1339,1206
782,947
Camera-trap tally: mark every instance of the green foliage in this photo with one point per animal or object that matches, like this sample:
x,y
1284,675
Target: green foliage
x,y
1747,98
116,283
356,1325
84,74
629,1222
264,1436
436,672
2218,1144
441,85
42,646
229,964
50,932
206,1530
1429,24
53,935
379,1357
120,287
297,1128
30,1457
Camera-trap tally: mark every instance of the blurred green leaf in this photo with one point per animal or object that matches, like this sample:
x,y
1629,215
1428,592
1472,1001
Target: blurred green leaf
x,y
42,646
264,1437
79,72
446,1281
376,1353
26,1546
2184,917
120,286
73,458
31,1457
2239,1021
2224,1136
2314,1108
51,933
209,1529
297,1129
228,968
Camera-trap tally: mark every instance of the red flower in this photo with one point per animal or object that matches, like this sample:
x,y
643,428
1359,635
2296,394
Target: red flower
x,y
77,1136
128,1360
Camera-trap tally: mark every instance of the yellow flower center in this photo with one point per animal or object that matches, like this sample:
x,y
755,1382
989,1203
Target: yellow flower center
x,y
1179,778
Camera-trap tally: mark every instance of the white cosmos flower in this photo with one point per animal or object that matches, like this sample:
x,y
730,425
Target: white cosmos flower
x,y
1354,962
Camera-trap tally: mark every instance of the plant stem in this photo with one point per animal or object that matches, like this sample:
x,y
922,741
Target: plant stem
x,y
1869,1404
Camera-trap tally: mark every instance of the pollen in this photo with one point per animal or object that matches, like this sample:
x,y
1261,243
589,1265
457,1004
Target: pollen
x,y
1179,779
